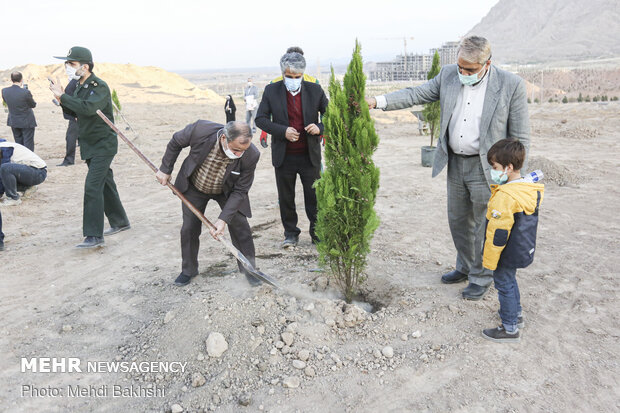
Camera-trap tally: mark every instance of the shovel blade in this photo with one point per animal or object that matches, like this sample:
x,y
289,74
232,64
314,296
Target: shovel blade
x,y
259,275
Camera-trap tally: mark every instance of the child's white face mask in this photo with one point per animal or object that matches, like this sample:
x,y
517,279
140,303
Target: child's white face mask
x,y
499,177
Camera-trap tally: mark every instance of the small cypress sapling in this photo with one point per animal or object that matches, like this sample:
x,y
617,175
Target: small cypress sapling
x,y
116,102
432,111
347,189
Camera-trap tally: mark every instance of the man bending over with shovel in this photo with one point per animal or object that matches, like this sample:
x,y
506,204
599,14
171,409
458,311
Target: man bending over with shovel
x,y
220,166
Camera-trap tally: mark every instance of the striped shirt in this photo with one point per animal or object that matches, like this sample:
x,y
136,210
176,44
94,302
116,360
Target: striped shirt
x,y
209,177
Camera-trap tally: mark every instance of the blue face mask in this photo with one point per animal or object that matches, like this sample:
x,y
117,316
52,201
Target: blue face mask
x,y
469,80
499,177
292,85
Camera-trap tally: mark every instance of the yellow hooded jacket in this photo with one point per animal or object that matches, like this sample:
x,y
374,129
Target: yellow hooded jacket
x,y
512,220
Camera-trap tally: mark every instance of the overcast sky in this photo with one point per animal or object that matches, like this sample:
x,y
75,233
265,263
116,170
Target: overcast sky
x,y
202,34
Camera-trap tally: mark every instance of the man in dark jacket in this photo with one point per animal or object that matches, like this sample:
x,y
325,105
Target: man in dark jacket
x,y
98,145
289,111
220,166
21,117
72,128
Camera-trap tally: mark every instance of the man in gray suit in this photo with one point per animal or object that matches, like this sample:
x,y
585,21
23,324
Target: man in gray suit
x,y
480,104
250,95
21,117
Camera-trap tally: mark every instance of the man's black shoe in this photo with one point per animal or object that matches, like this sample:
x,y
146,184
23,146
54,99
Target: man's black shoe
x,y
453,277
290,241
116,230
474,292
499,335
183,280
1,245
91,242
64,164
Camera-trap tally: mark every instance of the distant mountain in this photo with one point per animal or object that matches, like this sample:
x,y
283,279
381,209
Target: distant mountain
x,y
543,31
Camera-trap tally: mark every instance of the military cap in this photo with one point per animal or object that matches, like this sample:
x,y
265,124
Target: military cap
x,y
78,54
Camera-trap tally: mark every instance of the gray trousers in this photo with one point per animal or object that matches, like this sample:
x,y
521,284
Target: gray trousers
x,y
468,196
250,115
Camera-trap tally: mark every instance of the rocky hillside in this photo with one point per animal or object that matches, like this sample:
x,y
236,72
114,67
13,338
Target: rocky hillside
x,y
534,31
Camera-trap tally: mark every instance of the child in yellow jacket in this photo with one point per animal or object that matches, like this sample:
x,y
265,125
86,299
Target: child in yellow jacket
x,y
510,240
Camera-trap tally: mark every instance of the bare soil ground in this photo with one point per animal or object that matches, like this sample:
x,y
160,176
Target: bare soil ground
x,y
118,303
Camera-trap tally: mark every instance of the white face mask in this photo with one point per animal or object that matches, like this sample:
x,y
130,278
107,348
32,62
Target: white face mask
x,y
228,152
250,84
71,72
292,85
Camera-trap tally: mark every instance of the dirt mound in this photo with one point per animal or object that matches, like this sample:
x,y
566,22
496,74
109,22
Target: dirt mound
x,y
576,132
132,82
555,173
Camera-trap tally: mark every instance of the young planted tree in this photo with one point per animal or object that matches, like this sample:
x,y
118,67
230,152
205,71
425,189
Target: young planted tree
x,y
116,102
347,189
432,111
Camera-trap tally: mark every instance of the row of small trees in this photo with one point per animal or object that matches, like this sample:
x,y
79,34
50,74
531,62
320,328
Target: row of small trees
x,y
580,99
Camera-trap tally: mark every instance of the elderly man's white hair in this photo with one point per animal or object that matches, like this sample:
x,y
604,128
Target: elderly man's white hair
x,y
295,62
475,49
237,130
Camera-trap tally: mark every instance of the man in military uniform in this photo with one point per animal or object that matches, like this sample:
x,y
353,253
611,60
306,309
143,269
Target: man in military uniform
x,y
98,145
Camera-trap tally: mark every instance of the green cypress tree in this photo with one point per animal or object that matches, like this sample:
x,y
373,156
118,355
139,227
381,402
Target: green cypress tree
x,y
347,189
116,101
432,111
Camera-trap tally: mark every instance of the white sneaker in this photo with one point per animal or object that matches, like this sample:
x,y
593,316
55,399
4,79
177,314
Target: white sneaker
x,y
11,202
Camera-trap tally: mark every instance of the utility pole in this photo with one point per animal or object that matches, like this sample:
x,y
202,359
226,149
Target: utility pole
x,y
542,85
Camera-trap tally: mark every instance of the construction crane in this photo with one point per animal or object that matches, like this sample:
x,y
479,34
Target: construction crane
x,y
404,38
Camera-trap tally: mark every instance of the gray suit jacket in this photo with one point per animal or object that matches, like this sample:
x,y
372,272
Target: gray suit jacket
x,y
504,113
201,136
20,103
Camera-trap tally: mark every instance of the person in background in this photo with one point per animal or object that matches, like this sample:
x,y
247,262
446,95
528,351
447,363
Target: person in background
x,y
19,168
21,116
250,95
73,129
230,109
